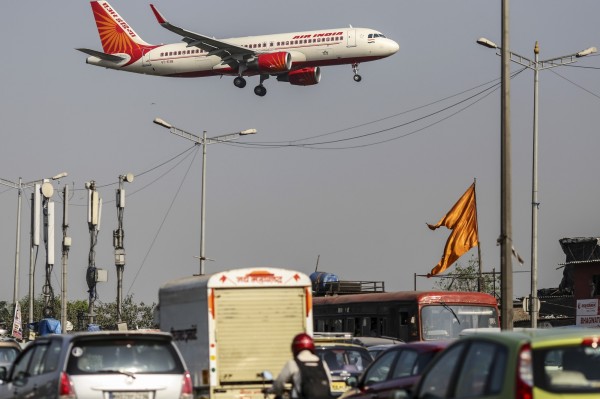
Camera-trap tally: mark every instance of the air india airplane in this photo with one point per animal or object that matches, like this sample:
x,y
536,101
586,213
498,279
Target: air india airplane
x,y
295,58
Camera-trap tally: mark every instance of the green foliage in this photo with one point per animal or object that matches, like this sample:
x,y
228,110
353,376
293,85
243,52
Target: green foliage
x,y
466,279
134,314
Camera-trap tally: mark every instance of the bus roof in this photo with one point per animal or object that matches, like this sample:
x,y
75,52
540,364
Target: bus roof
x,y
242,278
420,296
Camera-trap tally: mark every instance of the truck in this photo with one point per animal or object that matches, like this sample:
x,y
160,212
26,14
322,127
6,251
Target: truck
x,y
232,325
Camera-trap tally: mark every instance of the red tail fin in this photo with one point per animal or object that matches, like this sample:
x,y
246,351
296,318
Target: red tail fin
x,y
115,34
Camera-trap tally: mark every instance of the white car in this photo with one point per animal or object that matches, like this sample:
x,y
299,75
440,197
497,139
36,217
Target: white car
x,y
98,365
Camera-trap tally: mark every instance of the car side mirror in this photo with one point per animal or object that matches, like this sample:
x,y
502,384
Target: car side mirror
x,y
352,381
3,373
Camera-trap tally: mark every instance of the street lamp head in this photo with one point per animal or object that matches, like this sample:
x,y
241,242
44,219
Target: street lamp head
x,y
248,131
162,123
128,177
587,51
60,176
487,43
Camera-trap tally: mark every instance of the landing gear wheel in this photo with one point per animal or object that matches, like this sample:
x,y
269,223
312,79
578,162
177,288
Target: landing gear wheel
x,y
239,82
357,78
260,90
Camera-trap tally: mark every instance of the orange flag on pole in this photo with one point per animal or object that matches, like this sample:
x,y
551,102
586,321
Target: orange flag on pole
x,y
462,220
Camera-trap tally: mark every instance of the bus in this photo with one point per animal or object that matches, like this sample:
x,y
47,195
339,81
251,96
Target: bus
x,y
406,315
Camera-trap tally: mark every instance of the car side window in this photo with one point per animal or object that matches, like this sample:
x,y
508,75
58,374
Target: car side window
x,y
36,367
438,380
20,366
478,370
405,366
380,369
52,356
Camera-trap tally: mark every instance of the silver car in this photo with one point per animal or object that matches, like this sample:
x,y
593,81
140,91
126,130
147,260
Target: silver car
x,y
102,365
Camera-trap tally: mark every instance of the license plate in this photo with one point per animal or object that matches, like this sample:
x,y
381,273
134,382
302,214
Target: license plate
x,y
129,395
338,386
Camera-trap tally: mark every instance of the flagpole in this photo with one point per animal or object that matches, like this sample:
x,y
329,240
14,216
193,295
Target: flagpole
x,y
479,277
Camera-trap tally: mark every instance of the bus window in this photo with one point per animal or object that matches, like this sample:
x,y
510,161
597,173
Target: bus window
x,y
447,321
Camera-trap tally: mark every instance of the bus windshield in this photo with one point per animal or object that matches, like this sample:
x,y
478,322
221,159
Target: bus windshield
x,y
443,321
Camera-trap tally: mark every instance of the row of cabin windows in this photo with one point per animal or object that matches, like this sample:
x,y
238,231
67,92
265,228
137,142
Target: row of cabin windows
x,y
261,45
294,42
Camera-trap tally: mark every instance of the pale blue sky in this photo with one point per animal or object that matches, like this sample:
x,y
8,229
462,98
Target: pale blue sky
x,y
363,210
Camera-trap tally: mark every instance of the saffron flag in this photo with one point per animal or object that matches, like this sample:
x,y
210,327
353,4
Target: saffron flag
x,y
17,330
462,220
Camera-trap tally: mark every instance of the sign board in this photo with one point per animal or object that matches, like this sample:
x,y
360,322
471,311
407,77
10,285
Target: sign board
x,y
587,313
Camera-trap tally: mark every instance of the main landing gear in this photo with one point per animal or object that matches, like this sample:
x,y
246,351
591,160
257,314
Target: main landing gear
x,y
239,82
259,90
357,77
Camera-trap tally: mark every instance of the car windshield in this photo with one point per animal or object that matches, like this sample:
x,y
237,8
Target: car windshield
x,y
568,369
447,321
350,360
123,356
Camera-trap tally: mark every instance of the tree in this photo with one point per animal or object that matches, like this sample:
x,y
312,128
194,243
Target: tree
x,y
466,279
135,315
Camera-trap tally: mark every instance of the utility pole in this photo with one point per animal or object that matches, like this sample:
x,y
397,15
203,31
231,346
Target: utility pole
x,y
93,218
48,210
505,179
118,242
66,245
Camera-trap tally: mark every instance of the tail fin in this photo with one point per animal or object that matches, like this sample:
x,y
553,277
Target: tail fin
x,y
115,34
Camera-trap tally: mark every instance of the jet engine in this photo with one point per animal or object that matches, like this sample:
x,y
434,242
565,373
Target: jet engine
x,y
278,62
302,77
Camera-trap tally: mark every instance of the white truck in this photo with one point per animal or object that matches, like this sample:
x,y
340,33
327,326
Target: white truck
x,y
232,325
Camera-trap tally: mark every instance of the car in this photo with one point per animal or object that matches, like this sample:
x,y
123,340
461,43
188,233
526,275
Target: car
x,y
377,350
376,345
344,360
533,364
104,364
398,367
9,350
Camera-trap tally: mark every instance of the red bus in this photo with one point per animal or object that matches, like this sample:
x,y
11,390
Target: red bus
x,y
406,315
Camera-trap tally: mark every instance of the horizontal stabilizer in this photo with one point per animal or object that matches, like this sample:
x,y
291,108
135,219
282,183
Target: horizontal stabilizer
x,y
101,55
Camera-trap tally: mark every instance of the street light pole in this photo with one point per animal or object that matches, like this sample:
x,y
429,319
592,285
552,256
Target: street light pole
x,y
536,66
203,141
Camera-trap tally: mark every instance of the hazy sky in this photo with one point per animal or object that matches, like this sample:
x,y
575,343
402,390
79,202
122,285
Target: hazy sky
x,y
361,204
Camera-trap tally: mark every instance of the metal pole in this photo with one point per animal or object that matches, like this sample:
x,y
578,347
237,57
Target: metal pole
x,y
17,245
505,179
33,244
203,205
534,194
65,255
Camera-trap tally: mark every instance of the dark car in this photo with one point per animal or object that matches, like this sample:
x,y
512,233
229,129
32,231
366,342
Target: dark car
x,y
344,360
98,365
398,367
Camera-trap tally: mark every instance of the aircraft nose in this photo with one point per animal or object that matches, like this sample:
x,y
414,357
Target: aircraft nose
x,y
393,47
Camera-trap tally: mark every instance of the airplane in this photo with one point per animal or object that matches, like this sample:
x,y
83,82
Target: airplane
x,y
295,57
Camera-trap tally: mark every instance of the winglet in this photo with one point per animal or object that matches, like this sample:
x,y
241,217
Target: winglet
x,y
161,20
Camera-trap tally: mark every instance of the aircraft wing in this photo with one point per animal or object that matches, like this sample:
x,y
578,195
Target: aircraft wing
x,y
101,55
226,51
